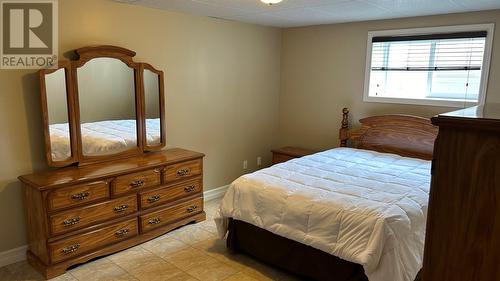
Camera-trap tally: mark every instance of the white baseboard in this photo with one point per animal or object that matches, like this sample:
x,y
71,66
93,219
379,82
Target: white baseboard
x,y
13,255
19,254
215,193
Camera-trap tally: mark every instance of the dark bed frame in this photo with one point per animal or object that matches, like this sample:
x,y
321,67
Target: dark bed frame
x,y
405,135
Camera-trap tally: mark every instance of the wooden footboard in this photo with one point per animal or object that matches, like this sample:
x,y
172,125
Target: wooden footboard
x,y
405,135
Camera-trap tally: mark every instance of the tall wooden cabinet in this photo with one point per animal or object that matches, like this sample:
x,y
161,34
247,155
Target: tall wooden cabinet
x,y
463,223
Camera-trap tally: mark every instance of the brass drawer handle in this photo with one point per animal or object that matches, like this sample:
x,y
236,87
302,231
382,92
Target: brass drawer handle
x,y
122,232
80,196
190,188
120,208
191,209
154,221
183,172
154,198
72,221
71,249
136,183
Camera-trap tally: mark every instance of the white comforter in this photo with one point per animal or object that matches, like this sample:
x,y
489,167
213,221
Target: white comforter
x,y
362,206
102,137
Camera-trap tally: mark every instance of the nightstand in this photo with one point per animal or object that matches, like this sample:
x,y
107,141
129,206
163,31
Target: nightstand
x,y
286,153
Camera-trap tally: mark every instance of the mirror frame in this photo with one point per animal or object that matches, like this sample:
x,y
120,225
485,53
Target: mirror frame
x,y
161,100
66,65
84,55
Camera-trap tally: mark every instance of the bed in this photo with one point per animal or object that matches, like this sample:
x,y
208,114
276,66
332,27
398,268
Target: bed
x,y
354,213
102,137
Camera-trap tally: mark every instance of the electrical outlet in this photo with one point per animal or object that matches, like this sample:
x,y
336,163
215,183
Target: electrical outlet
x,y
245,164
259,161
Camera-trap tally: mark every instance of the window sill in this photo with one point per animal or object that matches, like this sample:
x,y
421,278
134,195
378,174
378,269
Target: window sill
x,y
427,102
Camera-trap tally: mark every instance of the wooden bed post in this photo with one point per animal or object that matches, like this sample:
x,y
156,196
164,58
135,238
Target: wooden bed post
x,y
344,129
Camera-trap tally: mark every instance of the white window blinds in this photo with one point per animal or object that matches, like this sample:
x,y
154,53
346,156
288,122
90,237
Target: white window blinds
x,y
457,51
430,66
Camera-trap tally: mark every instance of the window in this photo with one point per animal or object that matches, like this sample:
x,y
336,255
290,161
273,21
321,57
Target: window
x,y
443,66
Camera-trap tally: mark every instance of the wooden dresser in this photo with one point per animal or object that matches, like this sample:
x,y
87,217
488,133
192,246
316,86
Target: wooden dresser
x,y
463,222
78,213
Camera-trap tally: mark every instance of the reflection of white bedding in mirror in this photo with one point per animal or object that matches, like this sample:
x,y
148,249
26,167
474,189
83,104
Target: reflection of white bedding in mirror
x,y
57,112
102,137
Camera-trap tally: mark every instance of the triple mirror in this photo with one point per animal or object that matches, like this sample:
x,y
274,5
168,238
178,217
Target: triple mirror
x,y
102,106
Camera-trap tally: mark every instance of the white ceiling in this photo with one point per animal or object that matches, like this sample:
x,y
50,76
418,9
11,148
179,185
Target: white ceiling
x,y
291,13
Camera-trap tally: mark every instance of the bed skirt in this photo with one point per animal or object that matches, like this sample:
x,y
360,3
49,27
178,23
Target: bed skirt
x,y
290,255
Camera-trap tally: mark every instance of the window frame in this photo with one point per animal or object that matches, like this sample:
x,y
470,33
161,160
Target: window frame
x,y
485,68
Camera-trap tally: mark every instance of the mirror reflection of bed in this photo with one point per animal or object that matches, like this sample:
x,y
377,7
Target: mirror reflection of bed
x,y
55,84
102,137
106,93
152,107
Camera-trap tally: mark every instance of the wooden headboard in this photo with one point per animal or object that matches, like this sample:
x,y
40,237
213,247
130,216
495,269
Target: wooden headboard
x,y
405,135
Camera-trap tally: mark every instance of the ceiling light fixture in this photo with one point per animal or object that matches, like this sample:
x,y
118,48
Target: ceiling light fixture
x,y
270,2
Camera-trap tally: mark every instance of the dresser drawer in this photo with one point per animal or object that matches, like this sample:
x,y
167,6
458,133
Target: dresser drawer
x,y
162,217
76,195
86,242
135,181
165,194
182,170
84,216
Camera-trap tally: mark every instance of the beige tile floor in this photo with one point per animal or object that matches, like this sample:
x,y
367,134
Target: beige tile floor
x,y
190,253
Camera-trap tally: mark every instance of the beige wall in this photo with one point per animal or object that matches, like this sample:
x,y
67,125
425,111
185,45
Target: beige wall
x,y
151,95
103,96
106,90
57,103
222,88
323,71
